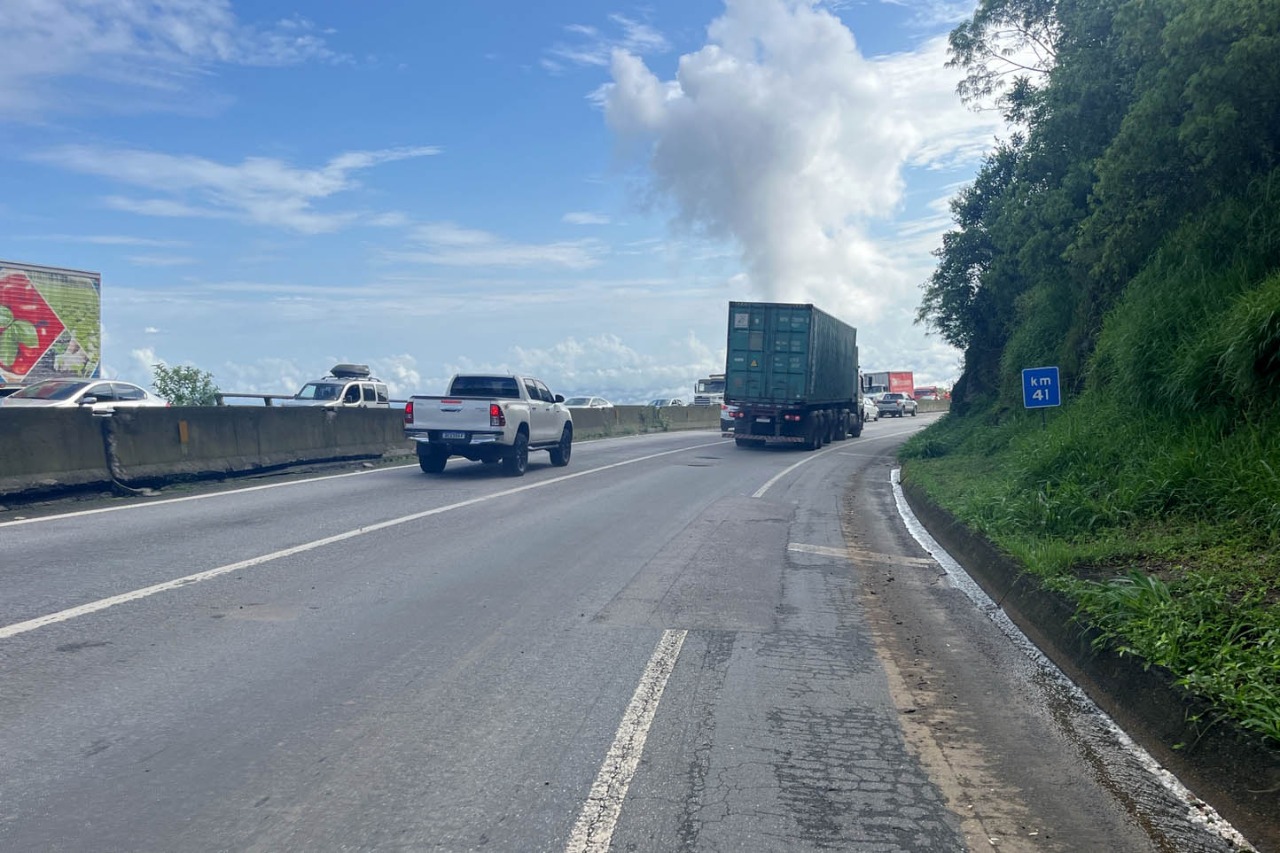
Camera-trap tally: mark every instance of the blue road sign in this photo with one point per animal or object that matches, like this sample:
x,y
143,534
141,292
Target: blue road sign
x,y
1040,387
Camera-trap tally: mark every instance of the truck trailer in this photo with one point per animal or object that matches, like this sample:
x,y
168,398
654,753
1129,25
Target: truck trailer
x,y
792,373
902,381
50,324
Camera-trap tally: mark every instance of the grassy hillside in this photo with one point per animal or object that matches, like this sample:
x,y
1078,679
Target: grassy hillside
x,y
1129,232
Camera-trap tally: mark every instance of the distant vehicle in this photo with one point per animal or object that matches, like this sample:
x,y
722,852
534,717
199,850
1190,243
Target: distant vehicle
x,y
101,396
490,418
929,392
793,374
727,413
346,386
588,403
902,381
666,402
709,391
870,412
895,404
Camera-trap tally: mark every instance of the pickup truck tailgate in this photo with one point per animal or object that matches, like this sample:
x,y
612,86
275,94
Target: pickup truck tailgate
x,y
449,415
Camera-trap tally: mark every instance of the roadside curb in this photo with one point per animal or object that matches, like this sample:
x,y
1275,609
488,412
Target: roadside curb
x,y
1233,770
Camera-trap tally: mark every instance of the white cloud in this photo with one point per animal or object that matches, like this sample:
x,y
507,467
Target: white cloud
x,y
159,260
106,240
592,48
260,190
782,138
154,49
450,245
586,218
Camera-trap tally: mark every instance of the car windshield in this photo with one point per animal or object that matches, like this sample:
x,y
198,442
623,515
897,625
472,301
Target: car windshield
x,y
54,390
578,401
320,391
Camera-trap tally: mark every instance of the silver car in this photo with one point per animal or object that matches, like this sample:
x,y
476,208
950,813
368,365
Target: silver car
x,y
100,396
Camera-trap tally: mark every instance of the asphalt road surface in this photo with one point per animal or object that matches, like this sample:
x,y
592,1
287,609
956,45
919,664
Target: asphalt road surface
x,y
673,644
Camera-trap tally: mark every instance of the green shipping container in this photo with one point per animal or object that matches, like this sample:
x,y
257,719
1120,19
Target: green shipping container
x,y
789,354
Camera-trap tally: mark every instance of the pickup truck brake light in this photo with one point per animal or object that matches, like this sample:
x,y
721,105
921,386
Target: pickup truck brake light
x,y
408,412
497,418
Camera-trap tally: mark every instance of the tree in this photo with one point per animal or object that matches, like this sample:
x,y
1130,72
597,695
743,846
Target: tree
x,y
185,386
1004,39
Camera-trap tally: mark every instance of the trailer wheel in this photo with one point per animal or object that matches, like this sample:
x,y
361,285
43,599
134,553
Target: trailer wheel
x,y
842,426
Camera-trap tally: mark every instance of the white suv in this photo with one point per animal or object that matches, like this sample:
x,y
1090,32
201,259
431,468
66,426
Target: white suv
x,y
347,385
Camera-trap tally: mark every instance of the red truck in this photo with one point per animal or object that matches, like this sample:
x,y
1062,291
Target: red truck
x,y
899,381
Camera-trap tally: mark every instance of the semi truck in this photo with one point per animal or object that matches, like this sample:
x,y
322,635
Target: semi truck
x,y
50,324
792,374
900,381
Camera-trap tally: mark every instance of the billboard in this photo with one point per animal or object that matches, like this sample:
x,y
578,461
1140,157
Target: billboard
x,y
50,323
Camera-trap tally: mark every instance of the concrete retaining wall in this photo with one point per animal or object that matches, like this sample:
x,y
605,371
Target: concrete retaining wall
x,y
44,450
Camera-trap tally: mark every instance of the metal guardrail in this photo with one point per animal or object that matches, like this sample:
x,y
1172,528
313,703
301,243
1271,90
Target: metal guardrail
x,y
222,396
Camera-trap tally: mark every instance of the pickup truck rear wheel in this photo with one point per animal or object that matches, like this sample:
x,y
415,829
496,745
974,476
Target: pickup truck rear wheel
x,y
561,452
431,461
516,462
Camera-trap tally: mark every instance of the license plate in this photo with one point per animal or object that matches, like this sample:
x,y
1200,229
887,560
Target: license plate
x,y
764,420
453,436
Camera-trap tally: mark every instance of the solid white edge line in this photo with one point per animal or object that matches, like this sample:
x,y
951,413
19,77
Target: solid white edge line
x,y
16,628
1202,813
593,831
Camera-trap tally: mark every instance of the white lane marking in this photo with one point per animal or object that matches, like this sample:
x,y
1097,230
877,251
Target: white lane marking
x,y
238,491
785,471
16,628
1198,811
593,831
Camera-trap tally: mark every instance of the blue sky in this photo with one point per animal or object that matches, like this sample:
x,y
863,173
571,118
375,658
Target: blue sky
x,y
570,189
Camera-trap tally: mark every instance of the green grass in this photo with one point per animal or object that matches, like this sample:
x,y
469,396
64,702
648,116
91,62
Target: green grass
x,y
1162,531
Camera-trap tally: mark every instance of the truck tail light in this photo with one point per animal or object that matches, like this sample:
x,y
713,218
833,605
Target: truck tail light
x,y
408,412
794,418
496,416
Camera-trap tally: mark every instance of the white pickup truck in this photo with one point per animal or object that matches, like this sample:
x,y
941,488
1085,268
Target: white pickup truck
x,y
490,418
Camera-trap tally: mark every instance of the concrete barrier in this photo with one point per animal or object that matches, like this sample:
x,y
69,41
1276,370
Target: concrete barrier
x,y
47,448
44,450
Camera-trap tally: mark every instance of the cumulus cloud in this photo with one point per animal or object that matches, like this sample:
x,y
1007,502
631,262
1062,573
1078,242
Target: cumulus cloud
x,y
782,138
155,50
261,190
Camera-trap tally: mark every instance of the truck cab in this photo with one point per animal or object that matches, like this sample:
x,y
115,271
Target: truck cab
x,y
346,386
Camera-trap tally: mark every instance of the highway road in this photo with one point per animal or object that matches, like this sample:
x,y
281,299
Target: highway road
x,y
672,644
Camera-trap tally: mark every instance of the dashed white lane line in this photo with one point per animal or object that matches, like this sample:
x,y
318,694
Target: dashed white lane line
x,y
593,831
16,628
